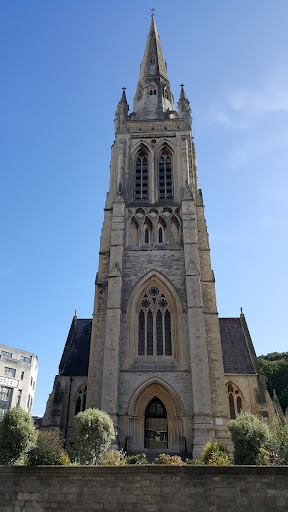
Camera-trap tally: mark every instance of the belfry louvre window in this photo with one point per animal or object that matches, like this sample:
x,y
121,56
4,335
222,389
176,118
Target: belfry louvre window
x,y
141,178
154,324
165,176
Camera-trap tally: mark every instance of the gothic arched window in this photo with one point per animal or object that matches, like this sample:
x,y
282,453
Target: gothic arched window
x,y
235,399
154,324
161,231
147,235
141,176
80,398
165,175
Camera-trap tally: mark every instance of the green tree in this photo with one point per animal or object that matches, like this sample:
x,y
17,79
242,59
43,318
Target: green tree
x,y
250,437
49,450
94,433
17,436
275,368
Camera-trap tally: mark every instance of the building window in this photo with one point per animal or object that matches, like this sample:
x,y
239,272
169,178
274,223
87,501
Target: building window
x,y
165,175
161,228
6,354
31,381
154,324
141,177
9,372
152,91
80,399
235,399
22,375
6,394
19,395
147,226
26,360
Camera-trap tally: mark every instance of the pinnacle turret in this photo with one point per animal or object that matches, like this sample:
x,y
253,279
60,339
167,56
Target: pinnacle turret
x,y
183,104
122,110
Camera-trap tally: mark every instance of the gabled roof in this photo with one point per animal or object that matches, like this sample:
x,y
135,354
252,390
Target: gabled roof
x,y
75,358
237,357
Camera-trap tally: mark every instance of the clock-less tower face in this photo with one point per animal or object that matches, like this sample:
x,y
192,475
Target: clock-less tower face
x,y
156,361
149,361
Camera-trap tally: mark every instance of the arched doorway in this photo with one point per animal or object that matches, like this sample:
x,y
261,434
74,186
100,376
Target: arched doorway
x,y
156,425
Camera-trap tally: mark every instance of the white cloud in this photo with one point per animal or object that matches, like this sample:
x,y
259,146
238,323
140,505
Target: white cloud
x,y
259,103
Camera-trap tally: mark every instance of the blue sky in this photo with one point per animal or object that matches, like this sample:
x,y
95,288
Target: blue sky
x,y
63,66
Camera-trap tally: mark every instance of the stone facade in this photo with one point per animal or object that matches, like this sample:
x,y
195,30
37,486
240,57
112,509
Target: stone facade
x,y
144,489
18,376
155,337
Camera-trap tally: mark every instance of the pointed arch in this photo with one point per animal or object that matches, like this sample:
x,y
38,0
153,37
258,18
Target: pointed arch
x,y
165,182
148,391
80,398
174,229
161,231
133,233
152,89
235,399
141,173
147,231
154,331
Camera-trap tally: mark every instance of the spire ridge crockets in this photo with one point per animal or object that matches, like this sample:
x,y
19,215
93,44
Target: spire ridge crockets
x,y
153,98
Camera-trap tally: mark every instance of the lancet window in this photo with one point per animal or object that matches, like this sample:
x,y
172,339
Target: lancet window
x,y
165,175
141,175
235,399
80,399
154,324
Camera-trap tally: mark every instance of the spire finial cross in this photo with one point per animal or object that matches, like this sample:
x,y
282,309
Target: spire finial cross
x,y
152,10
123,88
181,85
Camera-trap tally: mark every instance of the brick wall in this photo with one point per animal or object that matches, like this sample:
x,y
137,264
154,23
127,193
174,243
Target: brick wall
x,y
145,489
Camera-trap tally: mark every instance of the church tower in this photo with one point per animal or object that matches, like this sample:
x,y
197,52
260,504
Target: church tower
x,y
156,357
155,343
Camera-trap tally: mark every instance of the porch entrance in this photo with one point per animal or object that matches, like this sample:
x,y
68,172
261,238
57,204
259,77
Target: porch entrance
x,y
156,425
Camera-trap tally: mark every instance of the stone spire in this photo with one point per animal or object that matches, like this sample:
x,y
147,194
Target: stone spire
x,y
153,98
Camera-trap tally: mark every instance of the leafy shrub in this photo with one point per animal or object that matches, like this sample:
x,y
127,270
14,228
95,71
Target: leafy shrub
x,y
278,442
17,436
173,460
263,458
249,435
193,462
49,450
138,458
216,454
112,458
94,432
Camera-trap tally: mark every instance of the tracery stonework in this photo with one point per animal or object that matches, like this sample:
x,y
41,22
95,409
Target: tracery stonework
x,y
158,359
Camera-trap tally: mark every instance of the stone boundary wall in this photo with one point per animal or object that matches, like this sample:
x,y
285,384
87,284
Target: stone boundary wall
x,y
144,488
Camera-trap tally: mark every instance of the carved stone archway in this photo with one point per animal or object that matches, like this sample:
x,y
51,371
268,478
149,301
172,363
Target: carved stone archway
x,y
155,388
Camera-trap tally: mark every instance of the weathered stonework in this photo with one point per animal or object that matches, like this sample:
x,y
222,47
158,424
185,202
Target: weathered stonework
x,y
141,489
155,240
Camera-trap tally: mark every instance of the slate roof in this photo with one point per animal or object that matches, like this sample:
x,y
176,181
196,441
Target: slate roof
x,y
236,355
75,358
